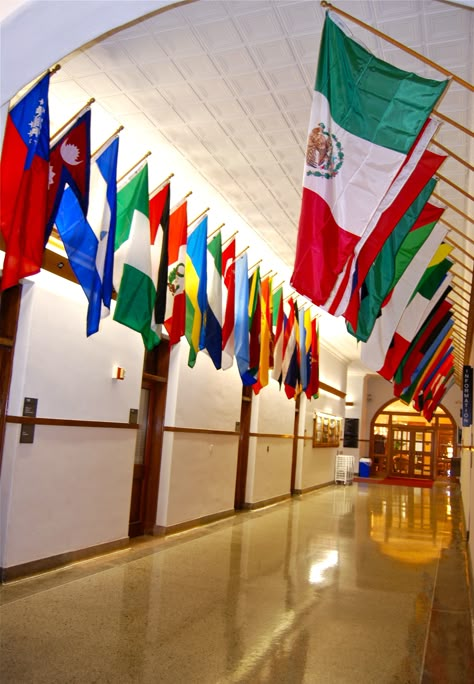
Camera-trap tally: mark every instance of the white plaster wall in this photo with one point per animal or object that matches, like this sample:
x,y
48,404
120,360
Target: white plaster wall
x,y
199,470
273,455
318,462
71,488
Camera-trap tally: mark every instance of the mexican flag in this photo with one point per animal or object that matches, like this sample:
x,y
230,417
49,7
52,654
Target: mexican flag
x,y
136,291
366,116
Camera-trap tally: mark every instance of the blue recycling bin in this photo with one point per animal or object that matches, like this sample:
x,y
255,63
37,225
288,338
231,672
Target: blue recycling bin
x,y
364,467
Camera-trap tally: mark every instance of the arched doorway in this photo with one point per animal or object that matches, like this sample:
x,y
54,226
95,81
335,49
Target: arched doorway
x,y
404,444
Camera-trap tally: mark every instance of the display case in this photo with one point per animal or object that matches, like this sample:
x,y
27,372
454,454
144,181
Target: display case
x,y
327,430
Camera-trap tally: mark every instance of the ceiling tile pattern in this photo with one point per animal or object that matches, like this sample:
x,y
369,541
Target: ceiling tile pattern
x,y
229,86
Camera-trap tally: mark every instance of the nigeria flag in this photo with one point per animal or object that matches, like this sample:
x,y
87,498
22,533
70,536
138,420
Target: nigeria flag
x,y
136,292
365,117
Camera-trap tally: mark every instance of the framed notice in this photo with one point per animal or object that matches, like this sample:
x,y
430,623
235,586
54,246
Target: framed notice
x,y
351,433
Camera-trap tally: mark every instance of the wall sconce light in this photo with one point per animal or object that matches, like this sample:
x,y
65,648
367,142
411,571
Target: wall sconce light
x,y
118,373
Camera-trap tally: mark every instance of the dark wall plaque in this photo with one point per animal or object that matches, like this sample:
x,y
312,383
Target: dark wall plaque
x,y
30,406
27,434
133,416
351,433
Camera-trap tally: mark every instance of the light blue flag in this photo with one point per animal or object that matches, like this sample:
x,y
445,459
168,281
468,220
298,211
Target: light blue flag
x,y
303,364
89,242
241,327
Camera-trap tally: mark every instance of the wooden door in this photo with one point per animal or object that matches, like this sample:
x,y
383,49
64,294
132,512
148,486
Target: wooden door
x,y
9,313
243,452
146,469
412,452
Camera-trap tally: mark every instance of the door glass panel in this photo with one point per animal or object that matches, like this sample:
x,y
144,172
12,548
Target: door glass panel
x,y
142,425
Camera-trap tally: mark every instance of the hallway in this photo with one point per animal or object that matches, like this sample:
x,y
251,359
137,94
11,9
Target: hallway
x,y
363,583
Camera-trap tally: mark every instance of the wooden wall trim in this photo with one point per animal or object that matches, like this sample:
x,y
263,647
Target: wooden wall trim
x,y
313,488
270,435
200,431
160,530
332,390
267,502
68,422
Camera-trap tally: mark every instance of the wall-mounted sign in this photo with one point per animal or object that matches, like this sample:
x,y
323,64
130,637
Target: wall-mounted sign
x,y
326,430
30,406
467,396
351,433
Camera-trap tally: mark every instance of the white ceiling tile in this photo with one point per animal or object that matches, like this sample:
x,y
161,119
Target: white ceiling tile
x,y
202,12
296,99
179,42
137,121
165,116
393,10
278,139
197,67
162,73
119,104
273,121
286,77
69,91
149,98
109,56
247,6
249,84
307,48
237,61
164,21
300,118
249,141
144,49
226,109
129,78
299,17
179,135
213,89
261,26
219,35
77,65
259,105
447,25
273,54
212,134
451,55
195,113
179,92
98,85
260,156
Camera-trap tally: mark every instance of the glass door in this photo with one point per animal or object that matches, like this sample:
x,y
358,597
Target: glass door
x,y
412,452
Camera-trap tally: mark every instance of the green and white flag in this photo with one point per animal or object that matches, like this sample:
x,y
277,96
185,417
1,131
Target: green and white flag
x,y
136,291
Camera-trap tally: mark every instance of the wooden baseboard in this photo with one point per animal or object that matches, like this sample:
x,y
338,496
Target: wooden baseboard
x,y
266,502
53,562
313,488
160,530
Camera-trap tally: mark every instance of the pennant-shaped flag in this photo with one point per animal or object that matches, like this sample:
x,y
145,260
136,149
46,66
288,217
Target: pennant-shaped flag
x,y
312,389
228,304
136,292
365,118
69,163
24,184
195,275
278,341
291,359
255,324
213,319
266,320
89,241
175,312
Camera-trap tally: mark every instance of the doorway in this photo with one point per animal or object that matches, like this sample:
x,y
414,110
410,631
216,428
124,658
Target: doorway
x,y
412,452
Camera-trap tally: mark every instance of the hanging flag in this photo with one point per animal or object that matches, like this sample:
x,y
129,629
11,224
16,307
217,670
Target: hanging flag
x,y
312,389
69,163
241,328
266,320
24,184
419,167
195,275
228,304
291,359
277,305
428,366
375,349
255,324
159,204
444,385
175,312
391,262
365,117
136,292
213,323
89,241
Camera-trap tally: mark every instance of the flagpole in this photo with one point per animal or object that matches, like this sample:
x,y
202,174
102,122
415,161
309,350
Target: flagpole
x,y
278,286
464,280
215,231
289,295
230,238
18,97
456,230
453,155
403,47
71,120
140,161
106,143
451,242
255,265
198,217
161,186
266,274
178,204
239,255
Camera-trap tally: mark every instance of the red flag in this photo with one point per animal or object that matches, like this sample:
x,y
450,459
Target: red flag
x,y
313,386
24,184
69,162
175,316
228,304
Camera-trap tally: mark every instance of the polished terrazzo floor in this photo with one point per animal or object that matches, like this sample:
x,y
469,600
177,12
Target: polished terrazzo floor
x,y
363,583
